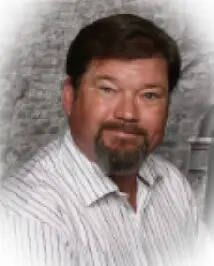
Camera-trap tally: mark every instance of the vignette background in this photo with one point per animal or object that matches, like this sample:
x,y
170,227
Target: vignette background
x,y
34,38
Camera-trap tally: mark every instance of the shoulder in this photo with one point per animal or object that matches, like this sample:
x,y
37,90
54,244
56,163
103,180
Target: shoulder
x,y
167,170
29,191
174,181
34,170
164,166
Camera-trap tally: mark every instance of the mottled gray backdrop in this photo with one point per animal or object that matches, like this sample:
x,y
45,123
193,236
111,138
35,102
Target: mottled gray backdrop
x,y
34,38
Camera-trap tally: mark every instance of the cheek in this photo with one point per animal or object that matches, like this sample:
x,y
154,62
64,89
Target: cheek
x,y
95,115
155,123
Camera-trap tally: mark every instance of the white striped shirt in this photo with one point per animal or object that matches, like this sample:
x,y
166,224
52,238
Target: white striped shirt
x,y
59,209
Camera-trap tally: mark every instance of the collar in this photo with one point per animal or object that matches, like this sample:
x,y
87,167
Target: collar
x,y
149,172
88,180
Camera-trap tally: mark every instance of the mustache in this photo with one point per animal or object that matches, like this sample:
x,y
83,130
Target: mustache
x,y
126,128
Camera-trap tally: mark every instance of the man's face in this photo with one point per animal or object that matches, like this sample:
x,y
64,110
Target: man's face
x,y
119,112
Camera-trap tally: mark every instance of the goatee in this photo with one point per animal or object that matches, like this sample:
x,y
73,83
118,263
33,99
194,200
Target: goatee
x,y
121,161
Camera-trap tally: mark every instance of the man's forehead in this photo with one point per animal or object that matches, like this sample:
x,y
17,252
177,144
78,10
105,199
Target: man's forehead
x,y
97,65
141,70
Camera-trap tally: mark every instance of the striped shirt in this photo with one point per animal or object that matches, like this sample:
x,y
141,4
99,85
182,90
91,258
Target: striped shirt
x,y
59,209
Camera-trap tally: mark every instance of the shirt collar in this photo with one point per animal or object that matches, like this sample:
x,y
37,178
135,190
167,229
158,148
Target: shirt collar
x,y
149,172
92,184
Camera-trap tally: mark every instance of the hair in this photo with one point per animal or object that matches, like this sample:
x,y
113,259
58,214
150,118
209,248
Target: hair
x,y
121,36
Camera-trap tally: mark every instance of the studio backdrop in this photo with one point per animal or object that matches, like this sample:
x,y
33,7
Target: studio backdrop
x,y
34,38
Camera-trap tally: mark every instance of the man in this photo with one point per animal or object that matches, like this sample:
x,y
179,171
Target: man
x,y
96,195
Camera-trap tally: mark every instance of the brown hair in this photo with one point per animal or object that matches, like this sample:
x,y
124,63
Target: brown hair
x,y
122,36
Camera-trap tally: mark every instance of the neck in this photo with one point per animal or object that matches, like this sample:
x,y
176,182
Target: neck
x,y
128,184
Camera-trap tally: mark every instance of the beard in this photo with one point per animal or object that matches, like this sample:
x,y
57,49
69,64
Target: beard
x,y
121,160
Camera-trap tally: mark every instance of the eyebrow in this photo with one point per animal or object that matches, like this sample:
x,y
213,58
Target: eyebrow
x,y
105,77
112,79
154,86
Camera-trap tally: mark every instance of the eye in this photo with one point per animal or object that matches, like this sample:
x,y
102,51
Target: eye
x,y
106,89
151,95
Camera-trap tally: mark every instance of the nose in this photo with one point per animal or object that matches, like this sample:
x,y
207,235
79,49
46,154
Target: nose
x,y
126,109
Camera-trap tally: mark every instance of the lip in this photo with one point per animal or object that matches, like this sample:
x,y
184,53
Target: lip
x,y
124,135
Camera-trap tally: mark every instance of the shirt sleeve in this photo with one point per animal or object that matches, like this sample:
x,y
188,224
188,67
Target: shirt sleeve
x,y
25,241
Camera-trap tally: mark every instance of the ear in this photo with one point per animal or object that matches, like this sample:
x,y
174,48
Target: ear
x,y
68,96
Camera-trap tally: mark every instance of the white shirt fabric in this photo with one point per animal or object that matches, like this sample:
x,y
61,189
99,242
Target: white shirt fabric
x,y
59,209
